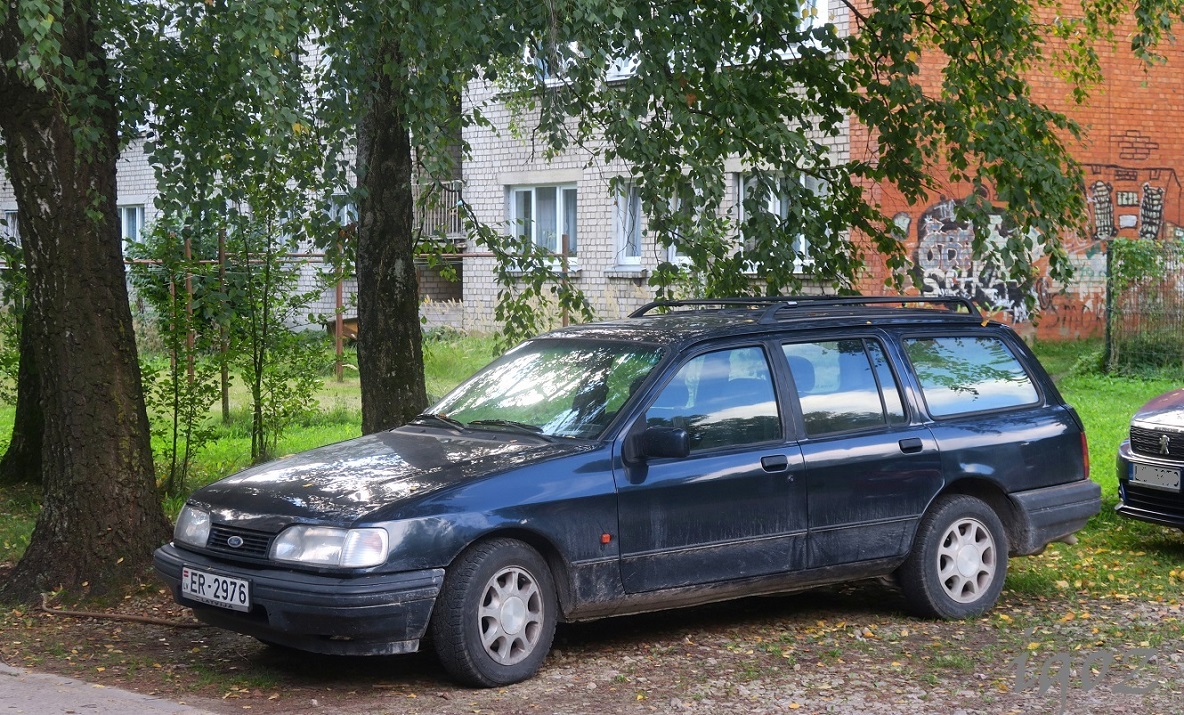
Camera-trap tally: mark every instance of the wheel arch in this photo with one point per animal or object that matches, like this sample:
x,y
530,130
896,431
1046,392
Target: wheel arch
x,y
995,497
560,573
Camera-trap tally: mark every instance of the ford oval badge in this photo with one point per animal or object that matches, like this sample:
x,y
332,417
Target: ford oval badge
x,y
234,542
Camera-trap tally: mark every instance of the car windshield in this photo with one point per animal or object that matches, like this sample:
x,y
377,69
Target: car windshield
x,y
557,387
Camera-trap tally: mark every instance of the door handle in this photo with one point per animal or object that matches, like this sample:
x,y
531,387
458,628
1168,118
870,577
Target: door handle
x,y
775,463
912,445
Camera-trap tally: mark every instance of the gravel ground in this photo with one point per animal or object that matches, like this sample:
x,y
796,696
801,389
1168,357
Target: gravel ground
x,y
847,650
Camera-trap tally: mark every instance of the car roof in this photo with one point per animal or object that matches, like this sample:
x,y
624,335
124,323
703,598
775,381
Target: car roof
x,y
684,321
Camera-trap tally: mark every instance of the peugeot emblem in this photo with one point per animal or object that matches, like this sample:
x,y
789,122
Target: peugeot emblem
x,y
1165,443
234,542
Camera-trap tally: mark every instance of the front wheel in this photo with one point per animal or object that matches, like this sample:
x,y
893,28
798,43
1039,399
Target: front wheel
x,y
495,618
959,560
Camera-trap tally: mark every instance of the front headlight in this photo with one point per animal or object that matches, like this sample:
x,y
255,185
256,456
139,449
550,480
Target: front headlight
x,y
193,527
326,546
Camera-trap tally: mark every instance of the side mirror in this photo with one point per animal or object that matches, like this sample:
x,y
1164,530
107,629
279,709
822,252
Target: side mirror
x,y
663,443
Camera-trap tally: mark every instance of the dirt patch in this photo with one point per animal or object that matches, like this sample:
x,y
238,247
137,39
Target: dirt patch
x,y
842,650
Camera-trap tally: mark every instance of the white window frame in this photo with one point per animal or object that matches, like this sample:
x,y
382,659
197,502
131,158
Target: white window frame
x,y
519,225
778,205
627,223
622,68
136,212
342,210
533,55
672,253
12,224
812,14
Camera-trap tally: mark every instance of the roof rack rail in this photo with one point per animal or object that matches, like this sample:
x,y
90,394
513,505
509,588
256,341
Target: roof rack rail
x,y
708,303
772,305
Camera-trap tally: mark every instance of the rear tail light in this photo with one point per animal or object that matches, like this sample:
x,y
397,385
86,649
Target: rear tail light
x,y
1085,454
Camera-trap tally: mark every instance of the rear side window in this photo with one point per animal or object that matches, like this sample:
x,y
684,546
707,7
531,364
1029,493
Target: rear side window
x,y
969,374
844,385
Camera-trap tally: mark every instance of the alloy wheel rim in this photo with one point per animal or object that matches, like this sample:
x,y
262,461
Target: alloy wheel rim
x,y
510,616
966,560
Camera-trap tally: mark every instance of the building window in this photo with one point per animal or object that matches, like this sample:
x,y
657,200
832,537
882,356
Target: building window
x,y
341,210
550,61
628,226
811,15
131,220
688,216
545,215
777,204
10,227
622,68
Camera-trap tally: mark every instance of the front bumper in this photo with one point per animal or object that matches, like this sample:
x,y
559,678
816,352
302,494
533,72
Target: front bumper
x,y
1156,506
375,614
1052,513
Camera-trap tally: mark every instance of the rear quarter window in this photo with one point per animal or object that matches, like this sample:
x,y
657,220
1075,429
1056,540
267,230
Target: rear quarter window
x,y
966,374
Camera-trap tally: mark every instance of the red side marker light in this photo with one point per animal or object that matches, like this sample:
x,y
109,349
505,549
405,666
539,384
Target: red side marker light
x,y
606,538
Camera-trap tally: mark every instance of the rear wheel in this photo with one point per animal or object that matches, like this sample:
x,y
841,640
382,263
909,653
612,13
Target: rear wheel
x,y
959,560
495,618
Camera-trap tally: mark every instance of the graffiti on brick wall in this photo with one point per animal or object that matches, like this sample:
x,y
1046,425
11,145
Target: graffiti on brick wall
x,y
1123,202
946,265
1132,202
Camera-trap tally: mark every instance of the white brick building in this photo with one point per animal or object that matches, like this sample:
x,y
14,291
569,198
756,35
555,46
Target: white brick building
x,y
505,176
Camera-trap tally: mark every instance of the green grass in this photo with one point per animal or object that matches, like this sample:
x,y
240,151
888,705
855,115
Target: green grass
x,y
1060,358
1106,405
448,359
1115,557
19,506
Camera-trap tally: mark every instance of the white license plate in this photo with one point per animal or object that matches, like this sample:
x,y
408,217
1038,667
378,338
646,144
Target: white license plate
x,y
1158,477
216,590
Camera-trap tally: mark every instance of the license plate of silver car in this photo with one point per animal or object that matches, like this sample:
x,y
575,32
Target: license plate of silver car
x,y
1158,477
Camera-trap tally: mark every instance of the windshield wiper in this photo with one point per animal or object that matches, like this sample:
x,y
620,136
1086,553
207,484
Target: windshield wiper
x,y
512,425
440,419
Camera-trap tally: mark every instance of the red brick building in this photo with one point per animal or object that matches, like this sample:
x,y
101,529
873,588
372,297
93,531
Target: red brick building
x,y
1132,155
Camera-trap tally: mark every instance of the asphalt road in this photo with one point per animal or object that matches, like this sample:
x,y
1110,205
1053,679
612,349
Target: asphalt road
x,y
22,691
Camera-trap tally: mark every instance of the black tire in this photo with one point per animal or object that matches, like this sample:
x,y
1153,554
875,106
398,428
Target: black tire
x,y
959,560
481,643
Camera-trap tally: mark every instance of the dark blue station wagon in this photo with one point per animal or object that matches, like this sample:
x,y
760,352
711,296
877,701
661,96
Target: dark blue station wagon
x,y
696,451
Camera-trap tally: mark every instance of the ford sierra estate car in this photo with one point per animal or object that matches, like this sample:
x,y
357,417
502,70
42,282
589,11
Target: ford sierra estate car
x,y
1150,463
693,452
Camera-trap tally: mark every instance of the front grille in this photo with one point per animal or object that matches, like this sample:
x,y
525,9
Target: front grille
x,y
256,544
1158,501
1151,442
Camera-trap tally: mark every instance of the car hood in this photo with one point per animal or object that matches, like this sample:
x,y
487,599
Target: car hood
x,y
1167,410
343,482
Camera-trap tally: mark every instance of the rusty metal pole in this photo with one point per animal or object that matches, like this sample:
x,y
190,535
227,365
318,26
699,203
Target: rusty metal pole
x,y
340,308
172,324
189,336
224,346
563,265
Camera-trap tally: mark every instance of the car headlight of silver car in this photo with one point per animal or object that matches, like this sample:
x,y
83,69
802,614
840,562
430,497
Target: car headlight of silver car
x,y
193,526
327,546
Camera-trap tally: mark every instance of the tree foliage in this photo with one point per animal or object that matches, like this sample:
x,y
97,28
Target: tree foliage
x,y
178,393
404,67
940,87
247,156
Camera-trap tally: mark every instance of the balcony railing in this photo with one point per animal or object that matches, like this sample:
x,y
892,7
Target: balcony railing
x,y
437,208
